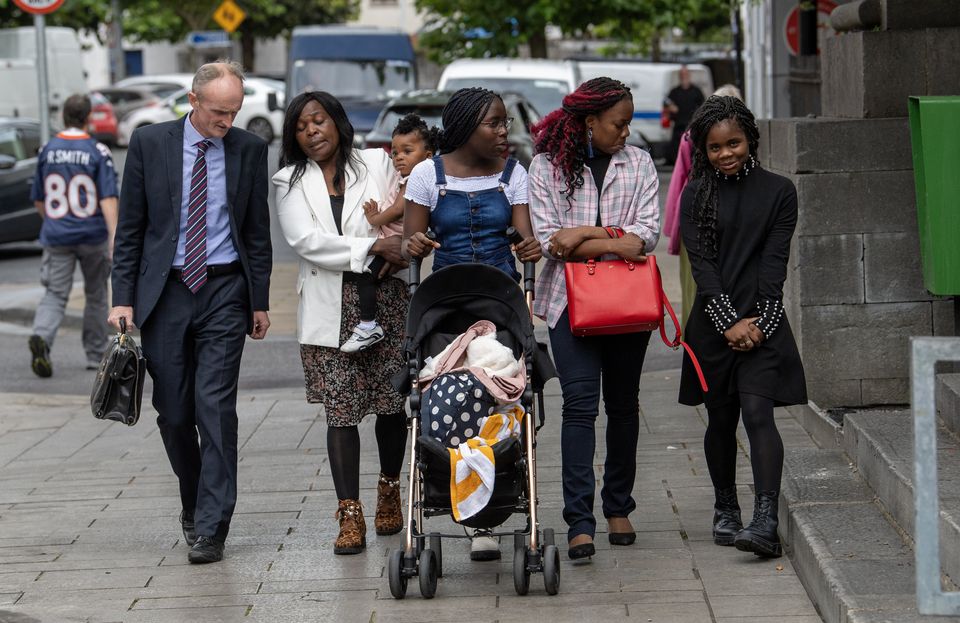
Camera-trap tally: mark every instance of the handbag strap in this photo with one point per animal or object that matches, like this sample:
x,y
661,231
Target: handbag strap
x,y
677,339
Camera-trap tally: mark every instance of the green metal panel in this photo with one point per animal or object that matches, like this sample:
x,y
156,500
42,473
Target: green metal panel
x,y
935,137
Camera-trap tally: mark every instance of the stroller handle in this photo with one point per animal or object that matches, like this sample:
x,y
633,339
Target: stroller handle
x,y
414,274
529,268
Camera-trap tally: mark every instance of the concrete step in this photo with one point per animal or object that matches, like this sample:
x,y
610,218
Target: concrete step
x,y
948,401
854,562
880,443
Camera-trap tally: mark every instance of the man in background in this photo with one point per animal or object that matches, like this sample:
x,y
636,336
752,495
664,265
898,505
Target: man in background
x,y
75,192
682,101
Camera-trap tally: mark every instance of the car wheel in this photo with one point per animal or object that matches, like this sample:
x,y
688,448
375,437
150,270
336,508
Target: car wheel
x,y
262,128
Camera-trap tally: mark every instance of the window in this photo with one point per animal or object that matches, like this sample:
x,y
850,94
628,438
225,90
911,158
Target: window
x,y
30,139
360,79
10,144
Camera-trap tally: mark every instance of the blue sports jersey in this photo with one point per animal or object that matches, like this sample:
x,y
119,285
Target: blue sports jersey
x,y
74,172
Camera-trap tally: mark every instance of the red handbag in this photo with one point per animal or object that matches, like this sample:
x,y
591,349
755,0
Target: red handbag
x,y
620,296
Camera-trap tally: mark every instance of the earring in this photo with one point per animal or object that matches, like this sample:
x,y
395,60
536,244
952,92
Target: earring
x,y
589,143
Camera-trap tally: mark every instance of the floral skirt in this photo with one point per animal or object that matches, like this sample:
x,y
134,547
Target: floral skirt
x,y
351,386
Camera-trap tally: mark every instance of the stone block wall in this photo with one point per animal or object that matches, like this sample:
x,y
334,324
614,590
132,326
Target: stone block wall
x,y
854,291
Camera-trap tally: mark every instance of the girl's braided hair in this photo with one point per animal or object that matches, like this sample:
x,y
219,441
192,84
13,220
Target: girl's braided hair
x,y
561,135
462,115
713,111
413,123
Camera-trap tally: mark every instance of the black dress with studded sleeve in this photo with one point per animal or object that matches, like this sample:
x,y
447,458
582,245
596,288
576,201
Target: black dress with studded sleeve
x,y
756,218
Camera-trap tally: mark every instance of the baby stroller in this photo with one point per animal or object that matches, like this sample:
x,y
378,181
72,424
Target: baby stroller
x,y
448,302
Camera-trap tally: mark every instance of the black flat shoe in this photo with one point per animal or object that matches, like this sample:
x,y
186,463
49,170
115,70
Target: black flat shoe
x,y
206,550
189,528
584,550
622,538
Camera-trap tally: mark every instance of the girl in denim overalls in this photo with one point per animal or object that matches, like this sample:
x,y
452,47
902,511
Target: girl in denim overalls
x,y
468,196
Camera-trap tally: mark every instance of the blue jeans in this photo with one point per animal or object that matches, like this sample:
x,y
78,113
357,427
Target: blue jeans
x,y
586,366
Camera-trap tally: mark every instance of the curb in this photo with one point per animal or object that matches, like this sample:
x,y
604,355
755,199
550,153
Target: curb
x,y
24,316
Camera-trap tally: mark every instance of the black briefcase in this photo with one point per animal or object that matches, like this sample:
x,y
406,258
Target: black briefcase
x,y
118,389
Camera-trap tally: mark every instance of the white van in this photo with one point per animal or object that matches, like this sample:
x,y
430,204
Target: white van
x,y
542,82
19,96
650,83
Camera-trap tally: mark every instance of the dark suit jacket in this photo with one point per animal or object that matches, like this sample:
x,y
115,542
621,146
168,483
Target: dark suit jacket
x,y
149,223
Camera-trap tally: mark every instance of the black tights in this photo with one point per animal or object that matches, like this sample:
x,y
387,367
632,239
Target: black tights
x,y
766,447
343,448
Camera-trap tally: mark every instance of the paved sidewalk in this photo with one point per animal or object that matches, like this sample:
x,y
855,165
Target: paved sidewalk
x,y
89,531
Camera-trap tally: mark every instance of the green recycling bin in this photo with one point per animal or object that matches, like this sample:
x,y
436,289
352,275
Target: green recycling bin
x,y
935,137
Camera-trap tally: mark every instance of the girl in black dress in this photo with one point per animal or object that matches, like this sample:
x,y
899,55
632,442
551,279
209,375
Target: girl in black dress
x,y
737,220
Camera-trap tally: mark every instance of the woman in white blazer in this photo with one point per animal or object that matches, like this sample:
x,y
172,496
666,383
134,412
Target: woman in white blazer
x,y
321,188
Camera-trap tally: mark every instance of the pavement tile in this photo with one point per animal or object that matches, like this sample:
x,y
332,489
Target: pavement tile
x,y
214,614
9,599
670,613
772,605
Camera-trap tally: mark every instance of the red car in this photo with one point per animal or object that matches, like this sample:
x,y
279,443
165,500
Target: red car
x,y
102,124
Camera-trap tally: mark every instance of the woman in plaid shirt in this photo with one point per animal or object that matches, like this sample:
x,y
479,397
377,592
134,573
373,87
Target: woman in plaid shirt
x,y
584,178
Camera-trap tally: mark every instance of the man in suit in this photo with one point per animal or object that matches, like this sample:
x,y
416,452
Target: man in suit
x,y
191,268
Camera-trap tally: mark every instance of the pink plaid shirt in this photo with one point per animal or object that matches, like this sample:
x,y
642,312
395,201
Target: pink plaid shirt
x,y
629,200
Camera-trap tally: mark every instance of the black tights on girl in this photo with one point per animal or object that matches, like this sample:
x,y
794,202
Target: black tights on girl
x,y
766,447
343,449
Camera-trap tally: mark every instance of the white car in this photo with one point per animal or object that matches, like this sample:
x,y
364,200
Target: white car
x,y
163,85
255,116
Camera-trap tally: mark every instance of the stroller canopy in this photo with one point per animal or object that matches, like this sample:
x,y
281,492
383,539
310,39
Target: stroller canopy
x,y
453,298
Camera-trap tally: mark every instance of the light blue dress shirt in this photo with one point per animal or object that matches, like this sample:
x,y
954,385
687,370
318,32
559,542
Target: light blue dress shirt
x,y
220,249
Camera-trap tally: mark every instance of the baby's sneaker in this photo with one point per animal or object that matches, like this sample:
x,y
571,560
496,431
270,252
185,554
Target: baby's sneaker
x,y
362,339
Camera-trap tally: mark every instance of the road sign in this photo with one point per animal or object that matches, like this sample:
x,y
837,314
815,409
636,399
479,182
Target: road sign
x,y
208,39
791,28
229,15
39,7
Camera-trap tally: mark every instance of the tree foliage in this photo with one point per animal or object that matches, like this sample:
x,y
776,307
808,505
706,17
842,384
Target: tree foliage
x,y
275,18
171,20
80,14
480,28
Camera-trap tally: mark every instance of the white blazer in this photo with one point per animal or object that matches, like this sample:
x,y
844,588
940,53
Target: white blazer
x,y
308,226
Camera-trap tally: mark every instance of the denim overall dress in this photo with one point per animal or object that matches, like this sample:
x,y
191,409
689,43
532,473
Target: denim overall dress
x,y
471,226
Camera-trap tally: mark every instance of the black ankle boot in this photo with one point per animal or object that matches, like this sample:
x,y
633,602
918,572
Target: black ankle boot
x,y
726,516
760,537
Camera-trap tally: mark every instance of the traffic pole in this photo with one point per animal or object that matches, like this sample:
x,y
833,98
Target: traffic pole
x,y
39,23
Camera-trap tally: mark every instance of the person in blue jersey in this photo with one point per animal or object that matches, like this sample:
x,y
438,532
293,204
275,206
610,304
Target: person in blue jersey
x,y
75,192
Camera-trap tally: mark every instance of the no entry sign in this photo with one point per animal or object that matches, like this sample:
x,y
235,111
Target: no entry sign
x,y
791,28
39,7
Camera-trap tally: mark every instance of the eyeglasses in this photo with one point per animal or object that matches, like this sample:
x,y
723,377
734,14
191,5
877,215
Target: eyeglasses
x,y
503,123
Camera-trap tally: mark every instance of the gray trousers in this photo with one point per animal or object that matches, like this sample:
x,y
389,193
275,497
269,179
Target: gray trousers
x,y
56,274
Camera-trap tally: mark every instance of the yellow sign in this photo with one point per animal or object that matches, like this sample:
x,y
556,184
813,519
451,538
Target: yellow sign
x,y
229,15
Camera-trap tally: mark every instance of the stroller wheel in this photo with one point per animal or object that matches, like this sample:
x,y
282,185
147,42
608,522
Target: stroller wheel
x,y
521,576
548,537
520,540
436,544
551,569
398,581
428,573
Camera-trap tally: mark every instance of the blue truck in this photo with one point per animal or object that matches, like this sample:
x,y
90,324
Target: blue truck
x,y
363,67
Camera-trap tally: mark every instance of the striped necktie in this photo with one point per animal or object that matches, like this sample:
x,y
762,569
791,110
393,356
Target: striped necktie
x,y
194,273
